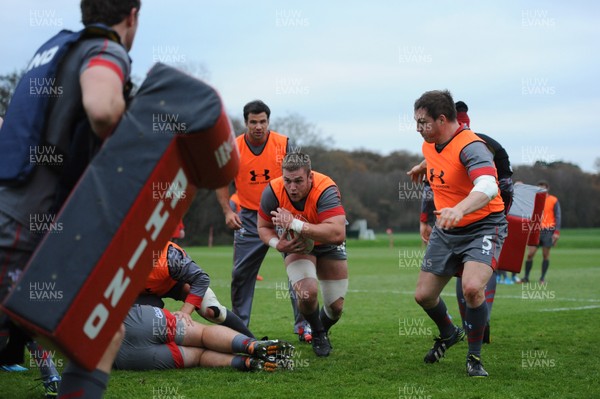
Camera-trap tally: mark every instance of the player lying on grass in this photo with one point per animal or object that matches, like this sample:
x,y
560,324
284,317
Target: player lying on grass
x,y
158,339
175,275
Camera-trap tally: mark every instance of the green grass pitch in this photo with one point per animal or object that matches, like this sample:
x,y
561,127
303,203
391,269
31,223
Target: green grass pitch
x,y
543,336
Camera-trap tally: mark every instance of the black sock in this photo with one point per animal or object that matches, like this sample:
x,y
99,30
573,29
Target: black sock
x,y
460,298
235,323
79,383
476,321
545,266
298,318
327,322
42,359
528,266
439,315
490,293
315,321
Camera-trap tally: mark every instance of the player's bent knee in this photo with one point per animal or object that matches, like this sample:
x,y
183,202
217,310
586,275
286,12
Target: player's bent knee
x,y
425,301
306,293
334,311
334,292
211,309
419,299
473,293
207,313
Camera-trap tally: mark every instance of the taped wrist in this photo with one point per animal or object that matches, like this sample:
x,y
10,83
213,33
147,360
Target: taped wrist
x,y
297,225
273,242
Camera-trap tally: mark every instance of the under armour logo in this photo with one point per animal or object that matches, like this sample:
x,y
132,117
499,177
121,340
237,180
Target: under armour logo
x,y
432,175
255,175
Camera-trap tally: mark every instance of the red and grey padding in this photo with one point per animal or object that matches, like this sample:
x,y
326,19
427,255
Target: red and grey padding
x,y
524,219
79,284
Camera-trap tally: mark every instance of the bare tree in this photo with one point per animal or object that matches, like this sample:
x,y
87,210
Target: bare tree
x,y
196,69
238,125
301,132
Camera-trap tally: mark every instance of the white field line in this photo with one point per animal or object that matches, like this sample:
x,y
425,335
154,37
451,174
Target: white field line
x,y
496,296
568,309
447,294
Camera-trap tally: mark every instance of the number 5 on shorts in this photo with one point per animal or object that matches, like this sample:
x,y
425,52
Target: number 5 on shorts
x,y
487,245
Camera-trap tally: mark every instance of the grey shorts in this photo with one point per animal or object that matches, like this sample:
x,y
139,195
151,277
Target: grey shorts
x,y
152,339
481,241
546,238
336,252
17,244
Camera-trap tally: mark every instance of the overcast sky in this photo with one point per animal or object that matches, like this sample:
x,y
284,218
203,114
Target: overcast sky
x,y
529,70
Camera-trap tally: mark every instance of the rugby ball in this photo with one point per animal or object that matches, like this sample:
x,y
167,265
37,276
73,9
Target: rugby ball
x,y
310,244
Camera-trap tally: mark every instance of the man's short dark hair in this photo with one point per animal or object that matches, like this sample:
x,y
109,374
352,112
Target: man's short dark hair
x,y
544,183
107,12
296,160
256,107
461,107
436,103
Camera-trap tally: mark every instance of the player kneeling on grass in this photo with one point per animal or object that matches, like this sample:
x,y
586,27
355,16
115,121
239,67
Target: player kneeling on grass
x,y
158,339
307,207
175,275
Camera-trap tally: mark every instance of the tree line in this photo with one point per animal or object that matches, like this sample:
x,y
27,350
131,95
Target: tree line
x,y
375,187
